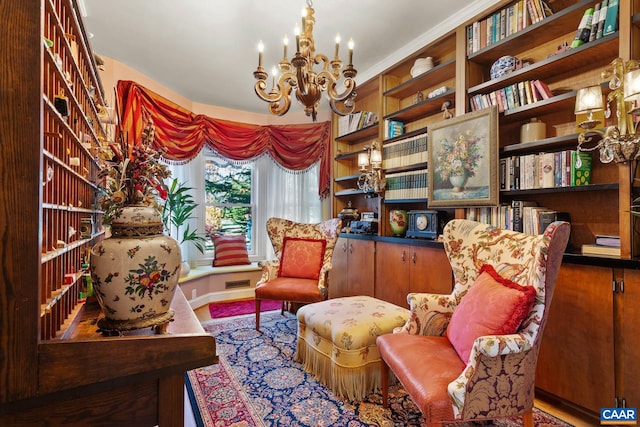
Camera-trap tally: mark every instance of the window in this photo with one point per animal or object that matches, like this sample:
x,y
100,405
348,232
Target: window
x,y
229,202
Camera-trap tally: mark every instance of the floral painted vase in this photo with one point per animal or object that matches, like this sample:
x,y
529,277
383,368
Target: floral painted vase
x,y
399,221
135,272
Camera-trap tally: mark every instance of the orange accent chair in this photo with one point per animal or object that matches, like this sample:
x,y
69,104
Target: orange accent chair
x,y
472,355
300,272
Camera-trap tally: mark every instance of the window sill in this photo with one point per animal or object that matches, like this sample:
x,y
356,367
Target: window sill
x,y
203,271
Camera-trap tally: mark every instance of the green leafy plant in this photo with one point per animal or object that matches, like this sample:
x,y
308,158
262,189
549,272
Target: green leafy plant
x,y
179,207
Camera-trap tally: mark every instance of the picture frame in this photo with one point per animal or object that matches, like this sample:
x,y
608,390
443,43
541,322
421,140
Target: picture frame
x,y
463,160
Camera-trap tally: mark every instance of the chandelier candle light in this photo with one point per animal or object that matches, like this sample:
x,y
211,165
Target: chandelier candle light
x,y
299,74
618,143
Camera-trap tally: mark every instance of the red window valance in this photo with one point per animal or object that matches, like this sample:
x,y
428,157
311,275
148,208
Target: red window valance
x,y
181,134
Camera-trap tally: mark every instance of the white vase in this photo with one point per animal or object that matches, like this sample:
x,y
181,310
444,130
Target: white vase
x,y
458,182
135,272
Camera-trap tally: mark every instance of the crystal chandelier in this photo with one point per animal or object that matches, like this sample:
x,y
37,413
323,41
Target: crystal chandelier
x,y
299,75
370,180
618,143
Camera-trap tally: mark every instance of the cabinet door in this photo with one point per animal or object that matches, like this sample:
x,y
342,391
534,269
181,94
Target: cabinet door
x,y
361,267
430,271
340,269
629,317
576,360
392,272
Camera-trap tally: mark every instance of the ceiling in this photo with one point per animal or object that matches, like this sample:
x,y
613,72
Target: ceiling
x,y
206,50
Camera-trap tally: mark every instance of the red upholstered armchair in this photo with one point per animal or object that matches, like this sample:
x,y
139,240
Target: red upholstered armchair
x,y
472,355
300,272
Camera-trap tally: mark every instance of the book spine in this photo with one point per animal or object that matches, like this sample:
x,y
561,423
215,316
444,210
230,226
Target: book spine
x,y
582,35
602,17
594,22
611,20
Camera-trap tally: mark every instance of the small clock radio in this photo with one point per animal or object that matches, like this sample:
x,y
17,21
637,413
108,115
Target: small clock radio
x,y
424,224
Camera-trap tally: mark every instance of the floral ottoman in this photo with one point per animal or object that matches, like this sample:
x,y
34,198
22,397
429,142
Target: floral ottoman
x,y
337,342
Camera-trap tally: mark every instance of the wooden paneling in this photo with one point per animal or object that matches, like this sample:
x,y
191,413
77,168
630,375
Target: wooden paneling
x,y
629,325
353,268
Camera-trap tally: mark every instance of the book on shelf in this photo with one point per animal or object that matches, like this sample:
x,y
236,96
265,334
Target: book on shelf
x,y
505,22
611,18
594,22
518,213
580,171
393,128
608,240
407,185
406,152
547,217
600,250
356,121
584,29
545,170
602,16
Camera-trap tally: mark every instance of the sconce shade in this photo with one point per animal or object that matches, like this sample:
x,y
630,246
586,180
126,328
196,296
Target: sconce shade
x,y
363,159
631,85
376,157
589,99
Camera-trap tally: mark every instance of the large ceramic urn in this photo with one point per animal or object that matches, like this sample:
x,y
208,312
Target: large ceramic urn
x,y
135,272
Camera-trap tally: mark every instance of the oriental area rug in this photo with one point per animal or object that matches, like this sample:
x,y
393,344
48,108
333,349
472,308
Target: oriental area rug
x,y
219,310
258,383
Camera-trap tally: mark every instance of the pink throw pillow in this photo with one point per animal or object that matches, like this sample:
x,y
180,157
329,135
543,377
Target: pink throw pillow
x,y
493,305
302,258
230,249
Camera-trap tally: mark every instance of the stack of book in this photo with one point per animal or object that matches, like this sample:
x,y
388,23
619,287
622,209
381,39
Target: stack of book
x,y
353,122
407,185
606,245
513,96
545,170
405,152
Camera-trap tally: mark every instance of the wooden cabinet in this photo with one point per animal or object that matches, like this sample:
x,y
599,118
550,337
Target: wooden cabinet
x,y
577,355
353,268
405,268
627,320
56,368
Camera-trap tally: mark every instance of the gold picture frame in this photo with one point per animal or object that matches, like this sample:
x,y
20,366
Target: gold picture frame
x,y
463,160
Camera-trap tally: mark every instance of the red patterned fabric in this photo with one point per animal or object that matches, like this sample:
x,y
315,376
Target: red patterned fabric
x,y
302,258
493,306
230,249
181,135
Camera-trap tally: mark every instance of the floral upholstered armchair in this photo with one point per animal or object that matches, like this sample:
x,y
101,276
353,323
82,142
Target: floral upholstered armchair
x,y
300,272
472,355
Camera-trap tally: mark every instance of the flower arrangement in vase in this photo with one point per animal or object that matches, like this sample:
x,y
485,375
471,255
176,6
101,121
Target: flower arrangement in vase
x,y
457,160
135,272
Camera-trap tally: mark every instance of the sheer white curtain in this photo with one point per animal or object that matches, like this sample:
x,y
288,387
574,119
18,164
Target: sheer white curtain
x,y
289,195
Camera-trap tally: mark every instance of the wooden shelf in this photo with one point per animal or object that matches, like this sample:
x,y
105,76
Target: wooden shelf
x,y
349,155
407,168
346,178
433,77
556,103
600,51
349,192
556,25
405,136
425,200
542,144
572,189
359,135
424,108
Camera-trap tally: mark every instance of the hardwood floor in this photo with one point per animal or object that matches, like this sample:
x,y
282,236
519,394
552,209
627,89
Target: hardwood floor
x,y
550,406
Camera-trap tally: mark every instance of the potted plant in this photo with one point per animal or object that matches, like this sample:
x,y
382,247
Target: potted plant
x,y
179,207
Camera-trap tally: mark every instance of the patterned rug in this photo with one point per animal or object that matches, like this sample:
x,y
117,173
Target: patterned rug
x,y
218,310
257,383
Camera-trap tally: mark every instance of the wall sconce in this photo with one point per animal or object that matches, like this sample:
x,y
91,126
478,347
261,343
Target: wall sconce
x,y
371,181
619,143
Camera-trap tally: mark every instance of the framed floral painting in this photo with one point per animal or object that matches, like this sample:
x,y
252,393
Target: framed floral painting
x,y
463,160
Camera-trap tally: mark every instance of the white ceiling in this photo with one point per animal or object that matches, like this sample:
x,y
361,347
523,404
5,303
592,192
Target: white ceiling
x,y
206,50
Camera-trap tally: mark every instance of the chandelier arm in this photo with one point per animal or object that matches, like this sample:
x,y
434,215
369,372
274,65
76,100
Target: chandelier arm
x,y
342,108
349,83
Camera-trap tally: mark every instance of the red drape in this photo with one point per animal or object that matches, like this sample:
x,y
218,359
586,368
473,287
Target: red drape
x,y
181,135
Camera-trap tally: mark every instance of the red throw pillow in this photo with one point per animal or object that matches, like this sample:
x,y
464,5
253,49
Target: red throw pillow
x,y
302,258
492,306
230,249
